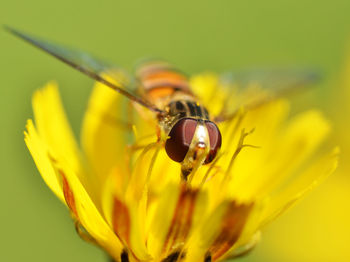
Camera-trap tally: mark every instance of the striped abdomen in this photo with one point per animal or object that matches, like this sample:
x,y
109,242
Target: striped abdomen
x,y
160,82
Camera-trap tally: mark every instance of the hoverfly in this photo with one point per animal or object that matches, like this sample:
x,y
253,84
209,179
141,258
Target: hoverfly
x,y
193,136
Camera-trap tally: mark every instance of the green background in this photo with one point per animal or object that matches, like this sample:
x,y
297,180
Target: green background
x,y
195,35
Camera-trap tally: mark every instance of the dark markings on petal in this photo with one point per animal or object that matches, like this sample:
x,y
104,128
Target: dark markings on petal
x,y
68,194
52,159
124,257
121,221
232,224
173,257
182,219
207,257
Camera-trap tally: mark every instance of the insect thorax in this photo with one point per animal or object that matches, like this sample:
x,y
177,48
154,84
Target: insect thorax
x,y
179,109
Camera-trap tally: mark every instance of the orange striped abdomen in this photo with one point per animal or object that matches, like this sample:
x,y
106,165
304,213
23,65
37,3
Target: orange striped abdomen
x,y
160,81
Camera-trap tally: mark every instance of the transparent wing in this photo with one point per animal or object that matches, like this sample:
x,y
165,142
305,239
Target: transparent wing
x,y
250,90
88,65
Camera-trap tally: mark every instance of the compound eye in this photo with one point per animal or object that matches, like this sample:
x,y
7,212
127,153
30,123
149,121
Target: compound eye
x,y
180,139
214,139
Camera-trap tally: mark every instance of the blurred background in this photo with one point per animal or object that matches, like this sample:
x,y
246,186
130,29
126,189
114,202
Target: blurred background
x,y
197,36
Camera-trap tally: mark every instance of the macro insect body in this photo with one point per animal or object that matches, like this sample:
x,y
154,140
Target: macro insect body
x,y
193,137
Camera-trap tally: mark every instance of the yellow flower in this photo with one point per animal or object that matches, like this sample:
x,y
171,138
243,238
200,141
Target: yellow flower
x,y
127,196
327,231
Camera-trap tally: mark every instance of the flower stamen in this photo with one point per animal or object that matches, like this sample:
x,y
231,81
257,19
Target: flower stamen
x,y
239,116
239,148
153,160
212,166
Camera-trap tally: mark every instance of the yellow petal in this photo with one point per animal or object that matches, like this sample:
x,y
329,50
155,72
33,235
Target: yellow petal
x,y
281,159
126,216
178,212
205,234
125,221
105,130
65,184
86,211
250,234
54,128
40,154
161,220
243,248
219,232
297,188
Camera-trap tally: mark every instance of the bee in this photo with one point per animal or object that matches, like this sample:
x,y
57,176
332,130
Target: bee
x,y
193,136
